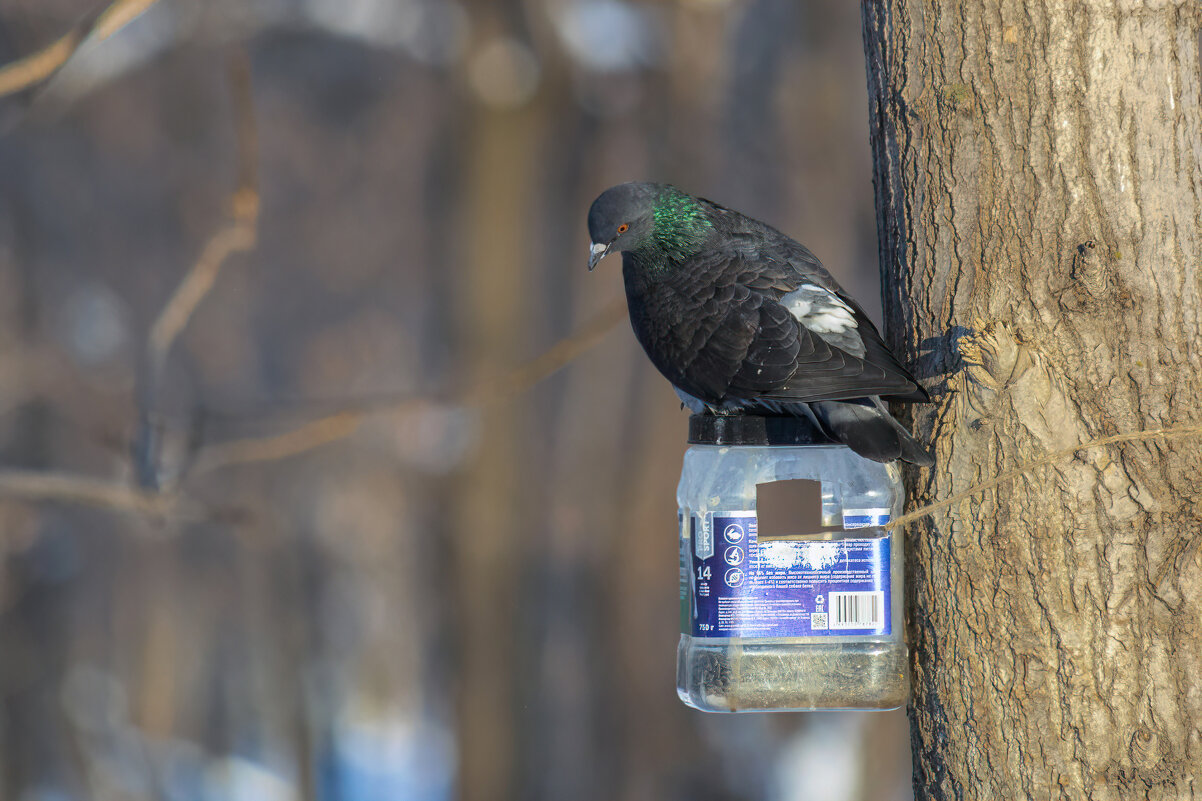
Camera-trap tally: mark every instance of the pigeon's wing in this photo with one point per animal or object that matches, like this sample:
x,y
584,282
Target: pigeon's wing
x,y
812,283
789,362
877,352
768,323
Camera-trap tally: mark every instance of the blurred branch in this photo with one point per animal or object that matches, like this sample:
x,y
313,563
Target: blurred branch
x,y
37,67
342,424
239,235
67,488
63,487
558,356
261,449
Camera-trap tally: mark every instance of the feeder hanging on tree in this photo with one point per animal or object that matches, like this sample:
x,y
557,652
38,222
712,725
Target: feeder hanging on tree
x,y
798,616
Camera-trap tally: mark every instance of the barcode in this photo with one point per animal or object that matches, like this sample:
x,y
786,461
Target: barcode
x,y
818,621
857,610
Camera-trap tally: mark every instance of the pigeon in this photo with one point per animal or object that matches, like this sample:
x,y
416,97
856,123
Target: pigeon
x,y
741,319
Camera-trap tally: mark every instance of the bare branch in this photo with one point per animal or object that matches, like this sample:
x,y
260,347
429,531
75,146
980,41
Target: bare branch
x,y
118,15
342,424
558,356
37,67
66,488
262,449
239,235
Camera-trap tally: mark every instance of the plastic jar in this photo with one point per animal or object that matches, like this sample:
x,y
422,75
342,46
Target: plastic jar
x,y
804,620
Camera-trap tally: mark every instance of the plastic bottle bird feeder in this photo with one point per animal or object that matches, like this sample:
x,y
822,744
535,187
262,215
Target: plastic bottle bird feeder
x,y
796,619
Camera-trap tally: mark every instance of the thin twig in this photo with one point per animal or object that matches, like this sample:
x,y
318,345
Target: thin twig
x,y
37,67
552,360
290,443
240,234
67,488
1047,458
118,15
340,425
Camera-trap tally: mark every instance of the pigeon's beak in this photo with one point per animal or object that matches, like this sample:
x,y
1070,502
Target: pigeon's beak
x,y
596,253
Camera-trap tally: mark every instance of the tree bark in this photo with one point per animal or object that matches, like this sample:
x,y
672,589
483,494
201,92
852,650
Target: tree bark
x,y
1038,172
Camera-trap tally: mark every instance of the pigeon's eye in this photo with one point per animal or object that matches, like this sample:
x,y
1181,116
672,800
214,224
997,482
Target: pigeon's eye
x,y
623,228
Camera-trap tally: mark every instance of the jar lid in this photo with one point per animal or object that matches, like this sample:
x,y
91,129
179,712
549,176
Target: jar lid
x,y
746,429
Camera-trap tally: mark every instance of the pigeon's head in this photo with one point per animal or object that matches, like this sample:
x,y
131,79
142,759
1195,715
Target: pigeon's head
x,y
621,218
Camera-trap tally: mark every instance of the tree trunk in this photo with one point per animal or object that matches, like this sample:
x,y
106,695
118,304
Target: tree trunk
x,y
1039,201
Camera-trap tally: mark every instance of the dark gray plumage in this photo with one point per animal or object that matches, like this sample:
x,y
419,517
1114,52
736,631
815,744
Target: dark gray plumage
x,y
739,317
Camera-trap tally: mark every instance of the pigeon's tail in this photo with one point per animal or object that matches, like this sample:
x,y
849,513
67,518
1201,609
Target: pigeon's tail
x,y
868,429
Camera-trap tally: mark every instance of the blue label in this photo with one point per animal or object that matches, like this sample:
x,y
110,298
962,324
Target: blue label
x,y
863,518
785,588
684,574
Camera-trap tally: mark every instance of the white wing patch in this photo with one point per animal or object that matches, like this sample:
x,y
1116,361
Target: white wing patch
x,y
835,321
819,310
825,313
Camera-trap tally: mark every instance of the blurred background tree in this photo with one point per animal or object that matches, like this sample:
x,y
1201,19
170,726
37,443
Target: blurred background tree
x,y
266,268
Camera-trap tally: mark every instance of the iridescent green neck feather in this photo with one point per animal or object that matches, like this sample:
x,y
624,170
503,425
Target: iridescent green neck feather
x,y
680,230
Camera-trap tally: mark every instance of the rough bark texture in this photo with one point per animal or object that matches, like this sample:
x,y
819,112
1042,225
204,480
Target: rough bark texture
x,y
1039,194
